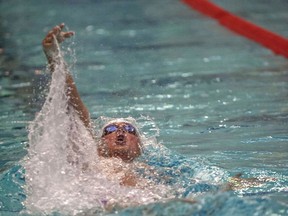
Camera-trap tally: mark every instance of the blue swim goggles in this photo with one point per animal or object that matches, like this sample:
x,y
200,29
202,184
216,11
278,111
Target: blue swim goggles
x,y
125,127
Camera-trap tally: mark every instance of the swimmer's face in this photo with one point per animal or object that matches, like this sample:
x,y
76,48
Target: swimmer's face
x,y
120,140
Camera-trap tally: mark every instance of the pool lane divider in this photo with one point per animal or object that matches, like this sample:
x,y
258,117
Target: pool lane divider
x,y
277,43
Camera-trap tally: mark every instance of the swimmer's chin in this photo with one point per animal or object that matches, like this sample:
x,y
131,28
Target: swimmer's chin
x,y
122,153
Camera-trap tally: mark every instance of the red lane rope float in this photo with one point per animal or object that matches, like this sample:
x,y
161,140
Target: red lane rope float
x,y
268,39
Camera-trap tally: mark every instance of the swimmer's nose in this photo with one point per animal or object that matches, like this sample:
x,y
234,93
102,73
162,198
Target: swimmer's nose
x,y
120,131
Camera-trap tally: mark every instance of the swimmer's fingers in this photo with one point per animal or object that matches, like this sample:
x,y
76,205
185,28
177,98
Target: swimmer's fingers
x,y
50,43
60,34
49,40
64,35
57,33
69,34
55,36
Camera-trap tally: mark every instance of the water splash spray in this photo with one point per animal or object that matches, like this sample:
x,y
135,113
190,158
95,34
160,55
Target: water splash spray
x,y
63,171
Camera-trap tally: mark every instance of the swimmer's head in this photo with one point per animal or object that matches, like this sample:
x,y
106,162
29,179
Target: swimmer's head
x,y
120,139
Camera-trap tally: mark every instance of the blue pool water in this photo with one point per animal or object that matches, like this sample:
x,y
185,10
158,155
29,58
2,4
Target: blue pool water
x,y
216,102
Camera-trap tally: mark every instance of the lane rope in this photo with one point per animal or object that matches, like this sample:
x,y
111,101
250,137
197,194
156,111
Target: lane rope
x,y
277,43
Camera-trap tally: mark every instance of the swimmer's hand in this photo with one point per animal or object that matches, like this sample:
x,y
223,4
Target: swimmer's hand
x,y
238,183
51,42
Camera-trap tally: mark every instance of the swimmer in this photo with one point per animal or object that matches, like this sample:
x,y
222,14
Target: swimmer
x,y
120,138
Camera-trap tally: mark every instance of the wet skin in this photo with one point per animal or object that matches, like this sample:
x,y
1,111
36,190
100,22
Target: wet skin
x,y
120,144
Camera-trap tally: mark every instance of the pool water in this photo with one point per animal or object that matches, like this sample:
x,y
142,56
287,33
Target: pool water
x,y
215,101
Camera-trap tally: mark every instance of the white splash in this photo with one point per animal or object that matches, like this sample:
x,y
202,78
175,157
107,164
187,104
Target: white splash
x,y
63,171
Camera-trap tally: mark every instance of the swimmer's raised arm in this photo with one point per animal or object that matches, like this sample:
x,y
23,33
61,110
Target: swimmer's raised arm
x,y
52,51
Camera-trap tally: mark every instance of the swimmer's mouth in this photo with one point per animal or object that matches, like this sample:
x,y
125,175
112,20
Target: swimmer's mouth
x,y
120,140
